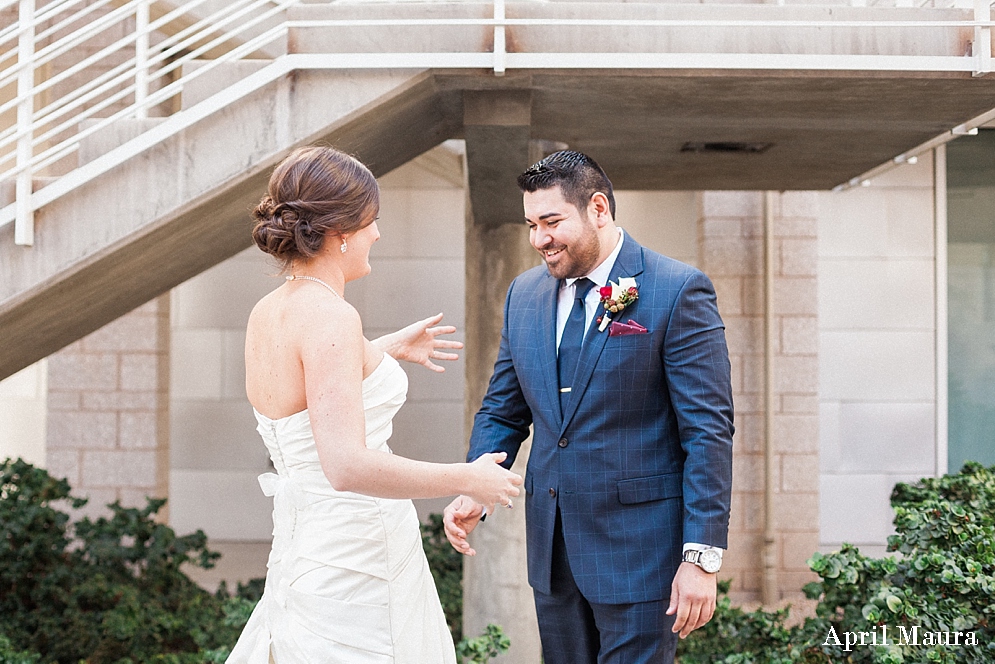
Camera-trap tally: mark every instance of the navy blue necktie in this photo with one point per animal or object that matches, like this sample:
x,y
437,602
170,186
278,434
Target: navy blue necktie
x,y
572,340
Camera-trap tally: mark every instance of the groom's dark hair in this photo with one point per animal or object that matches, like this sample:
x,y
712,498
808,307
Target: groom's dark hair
x,y
577,175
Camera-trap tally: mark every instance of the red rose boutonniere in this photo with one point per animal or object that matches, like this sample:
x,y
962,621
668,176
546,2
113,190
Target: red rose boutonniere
x,y
616,297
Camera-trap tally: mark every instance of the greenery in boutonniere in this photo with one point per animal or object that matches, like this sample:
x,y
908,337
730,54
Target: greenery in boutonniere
x,y
616,297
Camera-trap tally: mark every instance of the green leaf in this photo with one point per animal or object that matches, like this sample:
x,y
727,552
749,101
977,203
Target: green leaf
x,y
894,604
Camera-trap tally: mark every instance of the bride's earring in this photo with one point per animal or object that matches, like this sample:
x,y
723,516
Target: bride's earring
x,y
344,247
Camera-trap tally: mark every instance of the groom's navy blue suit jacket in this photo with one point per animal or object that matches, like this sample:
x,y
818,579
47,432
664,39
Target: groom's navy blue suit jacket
x,y
640,461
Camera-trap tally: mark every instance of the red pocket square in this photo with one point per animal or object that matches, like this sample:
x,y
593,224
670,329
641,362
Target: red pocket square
x,y
632,327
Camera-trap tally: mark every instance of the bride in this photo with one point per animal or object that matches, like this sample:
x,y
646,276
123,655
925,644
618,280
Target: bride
x,y
347,580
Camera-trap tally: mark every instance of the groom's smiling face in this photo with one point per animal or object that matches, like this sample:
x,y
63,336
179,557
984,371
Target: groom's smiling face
x,y
564,236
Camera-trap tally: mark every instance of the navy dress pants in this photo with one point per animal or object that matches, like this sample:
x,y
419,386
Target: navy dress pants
x,y
575,631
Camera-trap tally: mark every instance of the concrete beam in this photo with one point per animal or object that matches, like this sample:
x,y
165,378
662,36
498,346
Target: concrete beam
x,y
497,127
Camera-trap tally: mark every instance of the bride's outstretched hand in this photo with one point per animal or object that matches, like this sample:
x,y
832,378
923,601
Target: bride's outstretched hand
x,y
492,483
419,343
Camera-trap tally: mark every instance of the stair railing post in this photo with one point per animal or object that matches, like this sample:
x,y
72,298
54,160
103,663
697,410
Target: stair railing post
x,y
141,58
24,223
500,45
981,48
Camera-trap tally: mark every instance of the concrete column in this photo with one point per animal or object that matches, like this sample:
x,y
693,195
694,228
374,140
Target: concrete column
x,y
495,583
107,410
730,233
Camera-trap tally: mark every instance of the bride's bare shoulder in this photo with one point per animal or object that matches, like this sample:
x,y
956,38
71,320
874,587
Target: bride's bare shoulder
x,y
304,314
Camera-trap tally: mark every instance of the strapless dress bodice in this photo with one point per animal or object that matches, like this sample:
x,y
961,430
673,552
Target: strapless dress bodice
x,y
290,440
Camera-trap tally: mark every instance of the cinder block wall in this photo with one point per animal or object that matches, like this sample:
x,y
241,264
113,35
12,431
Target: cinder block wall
x,y
730,234
107,428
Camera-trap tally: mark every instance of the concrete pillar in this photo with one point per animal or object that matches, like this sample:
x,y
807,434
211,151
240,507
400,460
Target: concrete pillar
x,y
730,233
495,582
108,411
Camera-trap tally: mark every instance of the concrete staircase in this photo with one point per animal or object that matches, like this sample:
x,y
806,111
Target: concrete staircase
x,y
183,205
386,94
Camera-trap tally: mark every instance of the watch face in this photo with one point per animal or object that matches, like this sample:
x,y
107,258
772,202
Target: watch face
x,y
710,561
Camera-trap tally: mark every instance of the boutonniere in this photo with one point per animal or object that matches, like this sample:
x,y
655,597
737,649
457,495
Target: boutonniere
x,y
615,298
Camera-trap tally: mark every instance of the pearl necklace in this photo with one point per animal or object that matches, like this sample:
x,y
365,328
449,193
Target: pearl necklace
x,y
295,277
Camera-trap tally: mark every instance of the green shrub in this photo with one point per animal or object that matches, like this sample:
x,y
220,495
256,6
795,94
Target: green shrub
x,y
10,655
483,648
112,589
446,564
103,590
943,583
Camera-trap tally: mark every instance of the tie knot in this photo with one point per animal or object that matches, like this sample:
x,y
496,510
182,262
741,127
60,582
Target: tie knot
x,y
583,287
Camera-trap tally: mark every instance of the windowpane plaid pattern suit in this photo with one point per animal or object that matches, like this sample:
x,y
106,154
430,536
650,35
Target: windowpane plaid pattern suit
x,y
639,460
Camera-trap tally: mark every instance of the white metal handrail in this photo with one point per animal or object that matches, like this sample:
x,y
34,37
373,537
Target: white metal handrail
x,y
139,77
46,54
54,154
111,79
48,134
50,11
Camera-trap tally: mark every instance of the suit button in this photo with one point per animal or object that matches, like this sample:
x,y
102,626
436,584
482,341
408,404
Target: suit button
x,y
563,442
552,493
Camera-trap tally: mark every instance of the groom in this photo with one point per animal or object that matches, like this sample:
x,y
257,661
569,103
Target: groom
x,y
628,484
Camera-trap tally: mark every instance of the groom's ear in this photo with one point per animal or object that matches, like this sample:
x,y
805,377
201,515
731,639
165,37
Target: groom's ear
x,y
599,209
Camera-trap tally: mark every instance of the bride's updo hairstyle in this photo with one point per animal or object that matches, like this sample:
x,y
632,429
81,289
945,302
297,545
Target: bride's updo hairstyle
x,y
315,192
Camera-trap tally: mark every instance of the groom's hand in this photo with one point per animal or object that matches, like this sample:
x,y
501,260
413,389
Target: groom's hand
x,y
692,598
460,518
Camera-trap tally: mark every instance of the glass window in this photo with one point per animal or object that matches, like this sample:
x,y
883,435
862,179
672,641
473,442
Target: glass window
x,y
971,298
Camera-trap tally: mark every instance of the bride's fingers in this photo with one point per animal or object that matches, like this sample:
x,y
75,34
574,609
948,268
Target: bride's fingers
x,y
431,320
442,329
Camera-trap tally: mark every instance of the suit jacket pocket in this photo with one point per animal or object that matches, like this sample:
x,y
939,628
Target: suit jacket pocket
x,y
646,489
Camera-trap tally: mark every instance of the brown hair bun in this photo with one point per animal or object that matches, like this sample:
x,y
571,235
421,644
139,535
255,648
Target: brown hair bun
x,y
313,193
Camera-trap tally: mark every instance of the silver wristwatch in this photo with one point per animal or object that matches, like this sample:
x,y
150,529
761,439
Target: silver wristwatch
x,y
709,560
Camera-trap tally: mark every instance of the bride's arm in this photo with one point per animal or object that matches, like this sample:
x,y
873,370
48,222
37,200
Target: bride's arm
x,y
332,358
419,343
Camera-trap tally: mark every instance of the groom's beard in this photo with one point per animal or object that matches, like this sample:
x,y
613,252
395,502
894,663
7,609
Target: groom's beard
x,y
577,259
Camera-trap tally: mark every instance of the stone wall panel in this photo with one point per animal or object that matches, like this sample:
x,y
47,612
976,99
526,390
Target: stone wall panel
x,y
107,430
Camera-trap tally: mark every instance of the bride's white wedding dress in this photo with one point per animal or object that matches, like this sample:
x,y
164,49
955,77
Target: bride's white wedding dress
x,y
348,580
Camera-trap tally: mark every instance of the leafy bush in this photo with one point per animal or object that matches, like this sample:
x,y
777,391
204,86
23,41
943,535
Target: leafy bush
x,y
10,655
943,583
483,648
446,564
104,590
112,589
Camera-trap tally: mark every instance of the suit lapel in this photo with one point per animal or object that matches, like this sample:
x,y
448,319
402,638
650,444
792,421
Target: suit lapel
x,y
548,299
628,264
